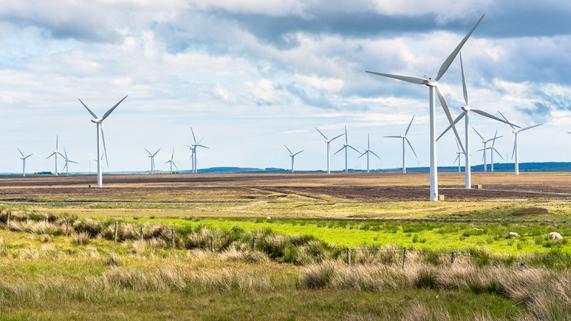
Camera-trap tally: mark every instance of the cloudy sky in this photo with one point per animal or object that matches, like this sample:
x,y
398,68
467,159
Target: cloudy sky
x,y
251,75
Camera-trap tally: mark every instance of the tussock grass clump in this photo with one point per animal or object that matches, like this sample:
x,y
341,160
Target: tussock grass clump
x,y
81,238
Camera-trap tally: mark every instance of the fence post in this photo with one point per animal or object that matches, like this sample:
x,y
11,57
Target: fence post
x,y
452,257
349,255
404,256
116,231
173,244
253,242
212,244
8,219
142,235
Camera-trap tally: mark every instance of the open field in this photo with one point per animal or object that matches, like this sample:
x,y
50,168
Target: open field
x,y
56,246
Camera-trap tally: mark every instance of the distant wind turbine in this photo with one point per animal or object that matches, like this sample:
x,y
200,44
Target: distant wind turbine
x,y
55,154
405,141
100,135
369,152
152,158
516,131
67,162
328,143
466,109
171,162
433,91
346,148
194,151
485,149
458,158
292,155
24,158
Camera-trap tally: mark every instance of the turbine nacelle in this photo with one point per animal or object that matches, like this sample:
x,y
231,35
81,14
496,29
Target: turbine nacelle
x,y
431,83
466,108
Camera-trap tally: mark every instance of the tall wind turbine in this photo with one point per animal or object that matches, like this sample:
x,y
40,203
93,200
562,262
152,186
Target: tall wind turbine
x,y
369,152
152,157
24,158
100,135
432,85
328,143
458,158
292,155
67,162
516,131
171,162
405,141
486,148
55,154
494,150
466,109
194,151
346,147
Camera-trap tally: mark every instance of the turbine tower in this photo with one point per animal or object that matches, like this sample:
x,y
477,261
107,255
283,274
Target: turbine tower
x,y
494,150
346,147
55,154
405,141
433,89
458,158
67,162
369,152
171,162
516,131
328,143
24,158
466,109
194,151
152,157
100,135
486,148
292,155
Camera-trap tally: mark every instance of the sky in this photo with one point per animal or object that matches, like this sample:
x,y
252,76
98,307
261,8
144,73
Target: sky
x,y
250,76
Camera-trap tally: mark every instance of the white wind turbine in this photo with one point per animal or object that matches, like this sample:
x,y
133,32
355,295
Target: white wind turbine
x,y
516,130
466,109
152,158
458,158
369,152
405,141
67,162
494,150
24,158
194,151
486,148
100,135
171,162
292,155
55,154
432,85
328,143
346,147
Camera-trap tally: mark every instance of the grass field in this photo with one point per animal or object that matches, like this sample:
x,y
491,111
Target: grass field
x,y
51,274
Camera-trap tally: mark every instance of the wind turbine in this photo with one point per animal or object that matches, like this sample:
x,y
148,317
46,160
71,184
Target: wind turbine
x,y
405,141
516,130
369,152
466,109
486,148
432,85
24,158
67,162
171,162
152,157
194,151
292,155
458,158
346,147
100,135
494,150
55,154
328,143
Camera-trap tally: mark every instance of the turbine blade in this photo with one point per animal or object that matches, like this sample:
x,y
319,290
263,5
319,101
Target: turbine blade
x,y
334,138
148,152
486,114
450,126
513,151
322,134
301,151
21,154
89,110
530,127
477,132
412,148
455,159
112,109
363,154
513,126
105,145
375,154
193,136
353,148
289,150
446,64
414,80
393,137
497,152
464,89
340,149
449,116
409,124
51,155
